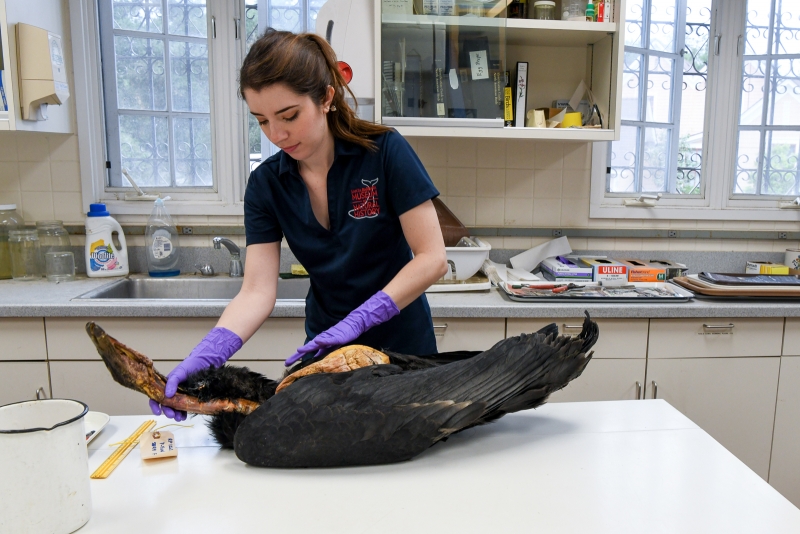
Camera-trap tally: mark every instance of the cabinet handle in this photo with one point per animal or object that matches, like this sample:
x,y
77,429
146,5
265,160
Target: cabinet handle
x,y
638,390
565,327
655,390
728,326
439,329
41,392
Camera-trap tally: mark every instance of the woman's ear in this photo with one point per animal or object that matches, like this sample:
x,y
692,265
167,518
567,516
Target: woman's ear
x,y
329,97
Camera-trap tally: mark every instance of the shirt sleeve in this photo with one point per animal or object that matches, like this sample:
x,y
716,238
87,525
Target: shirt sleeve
x,y
408,183
260,223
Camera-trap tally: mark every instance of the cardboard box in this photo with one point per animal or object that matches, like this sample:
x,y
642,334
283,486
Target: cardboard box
x,y
672,268
640,271
605,270
565,267
765,267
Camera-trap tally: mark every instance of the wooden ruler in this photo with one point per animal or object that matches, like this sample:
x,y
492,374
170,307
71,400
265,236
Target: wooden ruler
x,y
122,451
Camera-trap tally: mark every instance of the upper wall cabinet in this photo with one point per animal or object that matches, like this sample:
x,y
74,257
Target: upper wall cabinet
x,y
36,66
441,68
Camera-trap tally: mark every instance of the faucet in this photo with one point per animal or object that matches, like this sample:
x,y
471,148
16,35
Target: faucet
x,y
237,270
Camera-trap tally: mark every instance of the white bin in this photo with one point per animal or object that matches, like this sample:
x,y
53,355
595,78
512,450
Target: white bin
x,y
44,467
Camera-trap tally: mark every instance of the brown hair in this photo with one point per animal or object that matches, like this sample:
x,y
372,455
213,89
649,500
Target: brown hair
x,y
307,64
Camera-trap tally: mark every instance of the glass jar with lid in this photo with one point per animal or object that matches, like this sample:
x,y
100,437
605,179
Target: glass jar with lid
x,y
9,220
544,10
53,237
25,258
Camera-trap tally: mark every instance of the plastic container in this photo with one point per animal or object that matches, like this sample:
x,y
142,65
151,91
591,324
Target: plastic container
x,y
44,487
573,10
161,243
26,260
464,262
544,10
103,258
590,11
9,220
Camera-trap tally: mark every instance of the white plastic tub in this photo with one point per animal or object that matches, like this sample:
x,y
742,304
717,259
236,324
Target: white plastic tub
x,y
44,467
464,262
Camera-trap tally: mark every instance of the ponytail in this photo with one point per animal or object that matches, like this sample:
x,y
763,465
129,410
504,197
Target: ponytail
x,y
307,64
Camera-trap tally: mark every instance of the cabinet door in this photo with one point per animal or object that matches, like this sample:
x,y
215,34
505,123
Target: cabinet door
x,y
90,382
619,338
170,338
733,399
605,379
19,381
22,339
784,471
791,337
467,334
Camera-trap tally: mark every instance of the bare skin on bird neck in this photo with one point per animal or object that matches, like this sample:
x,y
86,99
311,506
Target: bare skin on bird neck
x,y
135,371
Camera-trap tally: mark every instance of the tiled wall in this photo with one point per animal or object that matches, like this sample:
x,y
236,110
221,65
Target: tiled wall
x,y
485,182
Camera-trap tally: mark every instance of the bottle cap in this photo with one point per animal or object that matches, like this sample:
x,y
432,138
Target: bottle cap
x,y
7,207
98,210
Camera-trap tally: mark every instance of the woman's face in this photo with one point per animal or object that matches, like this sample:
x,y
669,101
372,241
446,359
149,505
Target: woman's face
x,y
292,122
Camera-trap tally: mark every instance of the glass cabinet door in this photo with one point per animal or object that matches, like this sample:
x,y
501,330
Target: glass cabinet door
x,y
442,69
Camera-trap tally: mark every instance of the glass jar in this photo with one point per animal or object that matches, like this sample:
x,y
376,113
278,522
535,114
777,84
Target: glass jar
x,y
25,258
53,237
544,10
9,220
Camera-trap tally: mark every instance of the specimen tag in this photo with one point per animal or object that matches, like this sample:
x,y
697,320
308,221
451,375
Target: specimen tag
x,y
157,444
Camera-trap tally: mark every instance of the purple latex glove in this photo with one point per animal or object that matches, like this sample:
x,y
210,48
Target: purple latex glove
x,y
378,309
215,349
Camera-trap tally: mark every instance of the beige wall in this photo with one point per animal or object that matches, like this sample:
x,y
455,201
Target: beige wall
x,y
485,182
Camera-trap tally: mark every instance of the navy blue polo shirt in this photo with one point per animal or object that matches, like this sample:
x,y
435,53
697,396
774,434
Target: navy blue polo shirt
x,y
364,248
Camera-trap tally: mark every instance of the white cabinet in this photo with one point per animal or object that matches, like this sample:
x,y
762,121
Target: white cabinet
x,y
716,337
438,59
22,339
784,472
617,369
733,399
467,334
169,339
53,16
20,381
791,337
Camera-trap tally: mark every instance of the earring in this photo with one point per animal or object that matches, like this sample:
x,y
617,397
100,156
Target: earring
x,y
333,107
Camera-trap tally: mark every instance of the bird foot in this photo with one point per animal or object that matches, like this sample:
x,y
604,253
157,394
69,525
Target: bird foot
x,y
345,359
135,371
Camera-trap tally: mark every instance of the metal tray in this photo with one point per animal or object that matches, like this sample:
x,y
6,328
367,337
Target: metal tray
x,y
676,292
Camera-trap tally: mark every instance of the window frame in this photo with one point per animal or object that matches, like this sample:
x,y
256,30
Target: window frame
x,y
229,124
722,117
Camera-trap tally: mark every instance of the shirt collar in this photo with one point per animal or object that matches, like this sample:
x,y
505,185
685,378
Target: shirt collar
x,y
341,147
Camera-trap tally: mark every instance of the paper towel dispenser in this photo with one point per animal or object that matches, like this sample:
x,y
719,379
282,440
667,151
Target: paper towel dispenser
x,y
42,71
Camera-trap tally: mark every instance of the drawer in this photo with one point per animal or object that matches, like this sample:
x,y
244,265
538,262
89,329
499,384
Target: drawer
x,y
23,339
619,338
19,381
791,337
90,382
605,380
717,337
467,334
169,339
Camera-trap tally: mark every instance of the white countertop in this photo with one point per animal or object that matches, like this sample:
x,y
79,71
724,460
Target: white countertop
x,y
46,299
600,467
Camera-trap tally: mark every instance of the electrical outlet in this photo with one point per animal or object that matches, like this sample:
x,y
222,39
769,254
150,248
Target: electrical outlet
x,y
557,233
783,235
187,230
672,233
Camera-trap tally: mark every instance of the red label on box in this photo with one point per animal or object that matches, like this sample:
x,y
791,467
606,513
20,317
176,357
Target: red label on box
x,y
612,269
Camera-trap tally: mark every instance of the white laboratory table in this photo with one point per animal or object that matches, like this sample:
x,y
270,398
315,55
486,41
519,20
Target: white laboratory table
x,y
595,467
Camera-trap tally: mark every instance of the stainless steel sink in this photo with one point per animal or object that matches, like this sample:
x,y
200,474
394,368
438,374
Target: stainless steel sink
x,y
194,288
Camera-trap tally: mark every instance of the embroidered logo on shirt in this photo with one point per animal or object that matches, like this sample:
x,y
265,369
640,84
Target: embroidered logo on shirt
x,y
365,201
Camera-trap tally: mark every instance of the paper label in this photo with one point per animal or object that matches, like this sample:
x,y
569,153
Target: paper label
x,y
158,444
430,7
397,7
102,258
162,247
447,8
479,66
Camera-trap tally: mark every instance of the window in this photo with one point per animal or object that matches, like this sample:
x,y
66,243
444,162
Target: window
x,y
710,115
157,92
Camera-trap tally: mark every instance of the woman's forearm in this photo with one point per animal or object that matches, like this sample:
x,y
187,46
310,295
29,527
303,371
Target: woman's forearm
x,y
246,313
416,277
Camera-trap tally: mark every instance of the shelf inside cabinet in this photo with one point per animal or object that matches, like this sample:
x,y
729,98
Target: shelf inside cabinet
x,y
558,134
429,20
556,32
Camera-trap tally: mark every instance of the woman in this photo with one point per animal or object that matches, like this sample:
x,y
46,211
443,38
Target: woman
x,y
352,200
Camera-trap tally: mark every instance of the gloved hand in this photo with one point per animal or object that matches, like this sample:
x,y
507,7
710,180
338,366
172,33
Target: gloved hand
x,y
378,309
214,350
